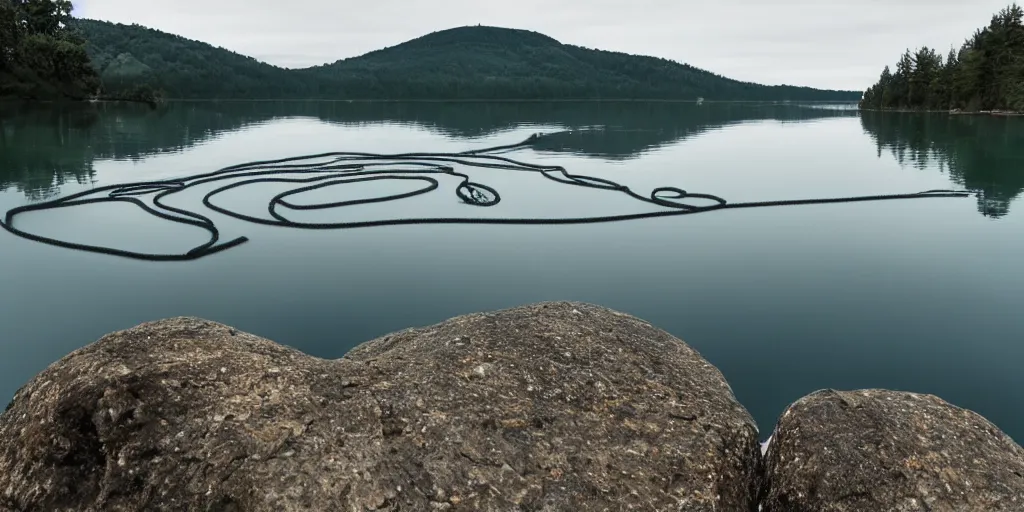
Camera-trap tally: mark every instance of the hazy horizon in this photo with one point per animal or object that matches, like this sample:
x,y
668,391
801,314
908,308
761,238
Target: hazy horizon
x,y
843,45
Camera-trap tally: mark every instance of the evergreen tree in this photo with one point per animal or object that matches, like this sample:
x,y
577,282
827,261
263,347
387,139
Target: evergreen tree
x,y
942,86
900,96
926,67
40,55
987,73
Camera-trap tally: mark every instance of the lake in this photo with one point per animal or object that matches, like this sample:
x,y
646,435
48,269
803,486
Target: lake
x,y
923,295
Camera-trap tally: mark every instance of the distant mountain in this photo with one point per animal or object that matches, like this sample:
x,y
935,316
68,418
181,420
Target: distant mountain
x,y
460,63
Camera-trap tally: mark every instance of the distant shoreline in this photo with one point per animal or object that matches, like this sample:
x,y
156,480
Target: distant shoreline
x,y
954,112
994,113
518,100
463,100
76,101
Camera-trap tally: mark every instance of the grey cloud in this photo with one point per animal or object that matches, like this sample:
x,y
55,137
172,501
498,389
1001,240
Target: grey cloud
x,y
830,44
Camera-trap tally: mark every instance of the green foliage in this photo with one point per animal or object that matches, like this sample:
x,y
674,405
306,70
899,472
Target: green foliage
x,y
986,74
140,93
128,57
44,17
40,56
462,63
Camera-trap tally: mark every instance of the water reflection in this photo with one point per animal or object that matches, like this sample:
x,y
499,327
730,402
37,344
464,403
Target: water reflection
x,y
45,146
981,153
784,301
42,149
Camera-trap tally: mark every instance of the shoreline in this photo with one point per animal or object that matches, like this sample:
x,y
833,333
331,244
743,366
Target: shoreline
x,y
462,100
953,112
77,101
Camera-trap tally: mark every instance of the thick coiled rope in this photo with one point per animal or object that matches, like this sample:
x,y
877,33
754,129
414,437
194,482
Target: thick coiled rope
x,y
341,168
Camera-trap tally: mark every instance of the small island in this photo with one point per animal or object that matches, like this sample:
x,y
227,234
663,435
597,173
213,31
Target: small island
x,y
986,75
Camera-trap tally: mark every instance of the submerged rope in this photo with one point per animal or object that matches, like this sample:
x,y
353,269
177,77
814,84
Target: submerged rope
x,y
351,167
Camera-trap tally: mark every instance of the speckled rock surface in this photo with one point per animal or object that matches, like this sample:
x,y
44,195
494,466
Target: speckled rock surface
x,y
557,406
878,450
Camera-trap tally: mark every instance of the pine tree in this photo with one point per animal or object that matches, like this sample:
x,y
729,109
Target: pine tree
x,y
926,67
986,73
899,96
1013,78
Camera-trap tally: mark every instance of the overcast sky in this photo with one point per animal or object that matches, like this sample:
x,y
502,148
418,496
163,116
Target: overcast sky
x,y
836,44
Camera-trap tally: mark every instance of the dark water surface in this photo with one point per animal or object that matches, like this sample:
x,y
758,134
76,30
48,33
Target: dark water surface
x,y
924,295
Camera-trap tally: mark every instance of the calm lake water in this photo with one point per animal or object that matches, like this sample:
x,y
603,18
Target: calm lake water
x,y
923,295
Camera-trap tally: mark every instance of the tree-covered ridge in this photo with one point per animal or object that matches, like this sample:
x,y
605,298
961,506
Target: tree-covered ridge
x,y
461,63
132,56
490,62
987,73
41,57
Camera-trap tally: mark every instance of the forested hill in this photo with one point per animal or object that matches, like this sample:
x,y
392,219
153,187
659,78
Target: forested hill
x,y
128,56
986,73
460,63
489,62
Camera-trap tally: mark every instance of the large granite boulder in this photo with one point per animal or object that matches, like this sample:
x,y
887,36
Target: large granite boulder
x,y
558,406
878,450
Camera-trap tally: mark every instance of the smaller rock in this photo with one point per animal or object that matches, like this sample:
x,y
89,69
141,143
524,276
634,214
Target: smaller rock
x,y
879,450
482,370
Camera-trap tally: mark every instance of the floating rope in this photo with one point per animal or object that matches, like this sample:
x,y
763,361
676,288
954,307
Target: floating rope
x,y
342,168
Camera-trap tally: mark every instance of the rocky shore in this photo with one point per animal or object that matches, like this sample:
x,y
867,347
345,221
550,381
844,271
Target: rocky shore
x,y
553,406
